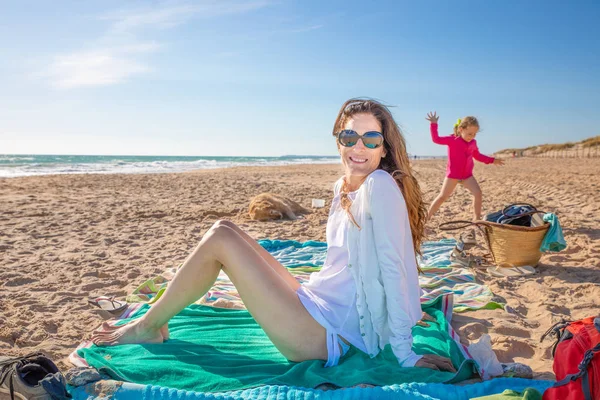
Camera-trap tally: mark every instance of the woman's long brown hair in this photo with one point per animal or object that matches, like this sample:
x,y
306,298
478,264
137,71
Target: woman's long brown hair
x,y
396,163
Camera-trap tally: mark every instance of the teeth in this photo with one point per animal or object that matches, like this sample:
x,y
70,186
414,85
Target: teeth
x,y
358,159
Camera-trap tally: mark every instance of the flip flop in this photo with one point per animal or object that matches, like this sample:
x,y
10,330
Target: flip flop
x,y
502,272
109,306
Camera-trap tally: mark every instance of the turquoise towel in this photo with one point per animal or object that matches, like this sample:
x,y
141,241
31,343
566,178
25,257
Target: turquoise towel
x,y
293,254
554,239
404,391
213,350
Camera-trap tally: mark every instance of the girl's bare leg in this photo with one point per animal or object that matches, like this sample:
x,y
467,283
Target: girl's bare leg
x,y
472,185
447,188
265,290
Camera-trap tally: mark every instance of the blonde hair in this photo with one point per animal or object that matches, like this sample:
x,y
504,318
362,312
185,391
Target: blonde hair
x,y
465,123
396,163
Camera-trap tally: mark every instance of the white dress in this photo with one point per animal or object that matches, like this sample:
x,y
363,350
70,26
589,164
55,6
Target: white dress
x,y
368,289
331,292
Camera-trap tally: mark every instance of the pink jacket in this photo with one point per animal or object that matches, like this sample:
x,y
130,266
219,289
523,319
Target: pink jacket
x,y
460,154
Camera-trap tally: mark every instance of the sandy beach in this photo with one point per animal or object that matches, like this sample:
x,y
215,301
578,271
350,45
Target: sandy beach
x,y
64,238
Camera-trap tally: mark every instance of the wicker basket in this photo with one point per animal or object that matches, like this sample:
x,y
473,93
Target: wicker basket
x,y
510,245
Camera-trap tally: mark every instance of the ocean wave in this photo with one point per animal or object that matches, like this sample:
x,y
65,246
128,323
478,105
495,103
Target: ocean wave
x,y
121,166
15,159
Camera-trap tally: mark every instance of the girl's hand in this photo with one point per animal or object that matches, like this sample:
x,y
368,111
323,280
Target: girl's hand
x,y
498,161
425,317
432,117
435,362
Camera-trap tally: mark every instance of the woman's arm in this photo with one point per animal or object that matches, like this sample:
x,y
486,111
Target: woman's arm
x,y
393,243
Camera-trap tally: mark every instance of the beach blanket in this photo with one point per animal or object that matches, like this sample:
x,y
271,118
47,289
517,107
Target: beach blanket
x,y
440,277
302,259
214,349
405,391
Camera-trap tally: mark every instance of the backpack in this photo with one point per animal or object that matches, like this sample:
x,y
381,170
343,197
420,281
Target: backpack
x,y
576,360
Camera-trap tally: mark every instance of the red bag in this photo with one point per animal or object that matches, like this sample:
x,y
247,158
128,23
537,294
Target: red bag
x,y
576,360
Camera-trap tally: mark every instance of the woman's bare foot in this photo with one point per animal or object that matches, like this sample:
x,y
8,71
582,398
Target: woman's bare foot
x,y
134,332
108,327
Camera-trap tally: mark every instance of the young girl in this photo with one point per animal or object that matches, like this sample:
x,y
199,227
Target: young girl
x,y
462,149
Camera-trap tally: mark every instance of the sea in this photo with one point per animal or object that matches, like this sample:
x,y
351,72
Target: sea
x,y
12,165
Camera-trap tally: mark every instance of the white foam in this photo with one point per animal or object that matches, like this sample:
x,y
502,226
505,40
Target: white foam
x,y
118,166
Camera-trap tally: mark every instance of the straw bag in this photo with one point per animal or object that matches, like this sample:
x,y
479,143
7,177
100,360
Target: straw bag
x,y
510,245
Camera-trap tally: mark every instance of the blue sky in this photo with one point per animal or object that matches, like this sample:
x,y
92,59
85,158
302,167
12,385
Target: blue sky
x,y
266,78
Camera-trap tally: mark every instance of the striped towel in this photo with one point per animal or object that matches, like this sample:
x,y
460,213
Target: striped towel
x,y
440,278
302,259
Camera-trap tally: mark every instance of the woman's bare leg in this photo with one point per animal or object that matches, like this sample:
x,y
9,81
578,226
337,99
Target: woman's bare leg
x,y
273,263
270,299
447,188
473,187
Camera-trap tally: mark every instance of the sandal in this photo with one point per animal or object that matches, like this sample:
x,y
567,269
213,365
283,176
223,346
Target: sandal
x,y
109,306
459,258
468,238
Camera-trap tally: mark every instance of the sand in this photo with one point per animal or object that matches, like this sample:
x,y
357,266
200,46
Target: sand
x,y
66,238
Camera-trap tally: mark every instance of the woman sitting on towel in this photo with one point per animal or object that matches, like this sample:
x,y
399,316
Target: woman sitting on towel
x,y
366,294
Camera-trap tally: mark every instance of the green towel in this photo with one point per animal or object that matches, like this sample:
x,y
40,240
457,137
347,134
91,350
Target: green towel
x,y
213,350
554,239
527,394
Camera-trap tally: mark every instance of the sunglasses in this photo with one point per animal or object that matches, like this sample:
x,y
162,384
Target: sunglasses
x,y
371,139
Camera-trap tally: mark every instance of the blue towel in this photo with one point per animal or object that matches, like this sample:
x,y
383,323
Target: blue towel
x,y
293,254
406,391
554,239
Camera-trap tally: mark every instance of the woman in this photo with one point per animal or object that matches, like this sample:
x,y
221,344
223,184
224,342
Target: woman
x,y
366,294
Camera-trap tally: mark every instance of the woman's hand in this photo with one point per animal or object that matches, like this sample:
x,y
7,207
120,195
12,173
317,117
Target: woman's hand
x,y
432,117
498,161
435,362
425,317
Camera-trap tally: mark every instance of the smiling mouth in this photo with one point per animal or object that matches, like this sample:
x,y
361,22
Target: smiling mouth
x,y
358,160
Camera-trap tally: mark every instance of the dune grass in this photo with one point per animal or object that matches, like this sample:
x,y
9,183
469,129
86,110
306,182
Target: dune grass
x,y
592,142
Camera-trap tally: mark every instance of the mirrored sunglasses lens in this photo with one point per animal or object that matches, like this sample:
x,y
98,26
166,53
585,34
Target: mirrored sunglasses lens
x,y
372,140
348,138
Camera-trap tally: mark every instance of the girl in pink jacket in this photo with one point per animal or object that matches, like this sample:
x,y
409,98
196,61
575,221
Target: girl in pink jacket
x,y
462,149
